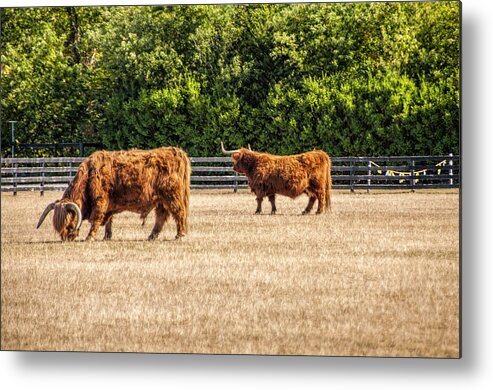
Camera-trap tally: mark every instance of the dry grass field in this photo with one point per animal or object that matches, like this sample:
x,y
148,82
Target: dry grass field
x,y
377,276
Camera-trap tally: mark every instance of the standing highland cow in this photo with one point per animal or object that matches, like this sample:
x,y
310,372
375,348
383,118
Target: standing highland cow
x,y
268,175
108,183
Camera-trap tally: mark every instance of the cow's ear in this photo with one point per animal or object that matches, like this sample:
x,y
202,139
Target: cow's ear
x,y
236,156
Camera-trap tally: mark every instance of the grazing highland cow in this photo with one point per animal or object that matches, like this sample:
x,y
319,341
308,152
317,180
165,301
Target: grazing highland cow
x,y
108,183
268,175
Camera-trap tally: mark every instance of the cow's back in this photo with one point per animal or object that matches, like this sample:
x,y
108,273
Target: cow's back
x,y
137,179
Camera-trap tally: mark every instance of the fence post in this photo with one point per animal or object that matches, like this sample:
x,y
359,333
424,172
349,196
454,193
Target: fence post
x,y
70,170
412,176
235,183
369,174
14,165
42,182
351,174
451,171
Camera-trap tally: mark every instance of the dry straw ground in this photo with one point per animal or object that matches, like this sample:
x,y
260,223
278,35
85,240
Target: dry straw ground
x,y
377,276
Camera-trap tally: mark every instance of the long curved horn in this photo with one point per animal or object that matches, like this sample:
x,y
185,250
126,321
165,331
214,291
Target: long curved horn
x,y
72,206
228,151
250,148
48,208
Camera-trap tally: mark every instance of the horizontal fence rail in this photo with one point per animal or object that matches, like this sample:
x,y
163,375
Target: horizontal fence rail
x,y
353,173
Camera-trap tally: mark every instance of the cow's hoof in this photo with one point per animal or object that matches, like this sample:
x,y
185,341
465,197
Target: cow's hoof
x,y
152,237
89,238
304,212
273,212
178,236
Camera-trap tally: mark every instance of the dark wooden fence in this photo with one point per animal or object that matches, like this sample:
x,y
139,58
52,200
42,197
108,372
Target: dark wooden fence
x,y
353,173
399,172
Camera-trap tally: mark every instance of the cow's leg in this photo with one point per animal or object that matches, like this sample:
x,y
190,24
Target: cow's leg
x,y
97,217
260,198
272,200
107,227
162,216
179,214
309,206
321,200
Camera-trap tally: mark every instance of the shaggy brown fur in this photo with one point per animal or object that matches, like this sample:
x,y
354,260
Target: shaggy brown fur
x,y
268,175
108,183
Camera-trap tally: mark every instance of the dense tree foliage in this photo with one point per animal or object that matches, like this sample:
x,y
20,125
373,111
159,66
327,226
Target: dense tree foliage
x,y
351,78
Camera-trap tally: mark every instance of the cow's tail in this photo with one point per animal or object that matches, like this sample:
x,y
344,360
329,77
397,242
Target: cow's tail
x,y
328,185
186,186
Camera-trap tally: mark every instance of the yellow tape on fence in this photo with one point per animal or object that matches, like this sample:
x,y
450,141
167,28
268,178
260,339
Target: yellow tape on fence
x,y
391,172
376,165
441,164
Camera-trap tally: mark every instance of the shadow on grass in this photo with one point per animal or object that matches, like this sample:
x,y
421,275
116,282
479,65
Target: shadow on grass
x,y
84,242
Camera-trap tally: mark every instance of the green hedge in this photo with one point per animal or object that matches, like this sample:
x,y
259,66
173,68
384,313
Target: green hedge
x,y
351,78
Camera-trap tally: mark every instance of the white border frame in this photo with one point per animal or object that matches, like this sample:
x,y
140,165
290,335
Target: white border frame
x,y
42,370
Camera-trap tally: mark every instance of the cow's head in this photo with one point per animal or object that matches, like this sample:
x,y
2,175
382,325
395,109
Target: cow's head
x,y
243,159
67,219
